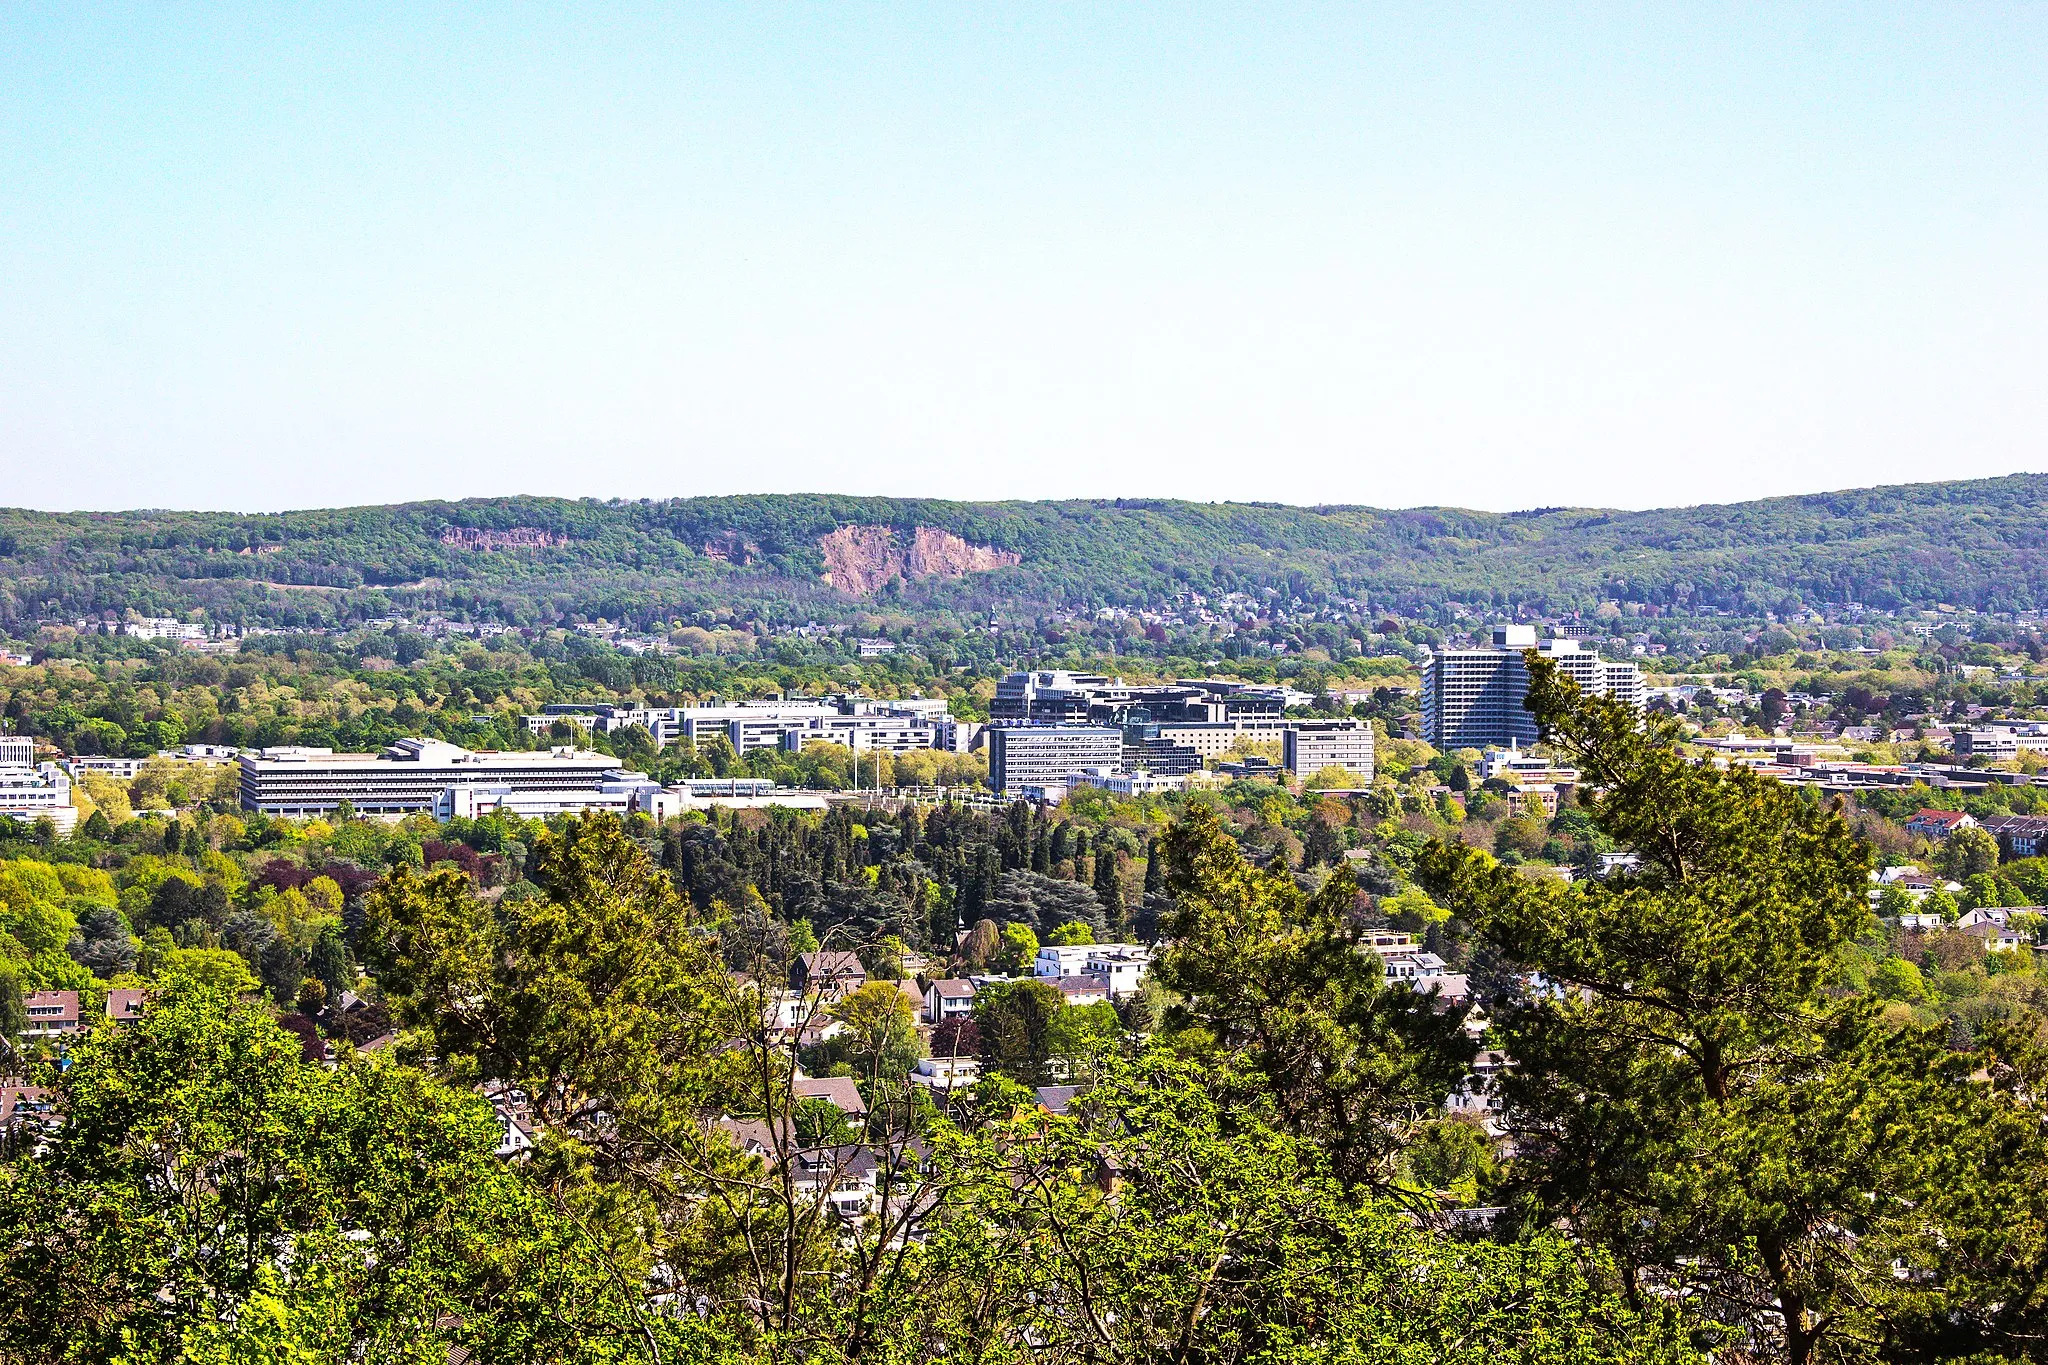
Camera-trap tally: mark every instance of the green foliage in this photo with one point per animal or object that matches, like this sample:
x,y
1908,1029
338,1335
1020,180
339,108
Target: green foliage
x,y
1157,1224
1953,542
1017,1020
216,968
1452,1156
1272,980
1019,946
1693,1094
13,1017
882,1026
1897,979
1071,933
211,1197
1968,853
582,994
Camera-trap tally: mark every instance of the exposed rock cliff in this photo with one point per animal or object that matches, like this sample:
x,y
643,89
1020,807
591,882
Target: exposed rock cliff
x,y
732,547
860,559
515,538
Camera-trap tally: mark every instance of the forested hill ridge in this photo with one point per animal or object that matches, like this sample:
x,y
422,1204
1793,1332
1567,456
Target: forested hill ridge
x,y
782,558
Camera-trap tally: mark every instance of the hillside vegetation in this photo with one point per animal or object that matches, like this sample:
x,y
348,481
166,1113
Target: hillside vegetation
x,y
1977,544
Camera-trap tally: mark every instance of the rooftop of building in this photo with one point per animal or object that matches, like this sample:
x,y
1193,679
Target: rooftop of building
x,y
439,753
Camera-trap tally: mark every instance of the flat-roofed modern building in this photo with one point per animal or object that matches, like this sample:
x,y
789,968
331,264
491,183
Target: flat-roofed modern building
x,y
1309,746
1043,755
868,723
1211,738
409,776
120,769
40,793
1473,698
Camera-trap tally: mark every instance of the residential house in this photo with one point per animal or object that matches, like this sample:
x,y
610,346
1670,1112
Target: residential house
x,y
1995,937
943,1075
1082,990
23,1105
124,1003
2019,836
1939,824
1476,1095
1122,967
831,974
1055,1099
1061,959
948,999
51,1014
840,1090
1406,962
515,1118
1450,986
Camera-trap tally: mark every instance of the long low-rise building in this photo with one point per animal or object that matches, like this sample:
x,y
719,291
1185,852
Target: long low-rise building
x,y
411,776
898,726
620,793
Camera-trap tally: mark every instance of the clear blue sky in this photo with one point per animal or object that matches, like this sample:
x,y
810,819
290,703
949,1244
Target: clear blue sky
x,y
1497,256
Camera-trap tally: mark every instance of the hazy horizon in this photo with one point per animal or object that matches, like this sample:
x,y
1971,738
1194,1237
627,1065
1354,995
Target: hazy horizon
x,y
1111,497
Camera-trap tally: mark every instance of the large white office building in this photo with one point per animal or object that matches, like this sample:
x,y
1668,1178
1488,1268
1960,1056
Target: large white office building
x,y
413,774
1041,756
1473,698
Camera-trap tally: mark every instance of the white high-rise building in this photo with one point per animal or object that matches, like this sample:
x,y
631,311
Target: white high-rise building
x,y
1473,698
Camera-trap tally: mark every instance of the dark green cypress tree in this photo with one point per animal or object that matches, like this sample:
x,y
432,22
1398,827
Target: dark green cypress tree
x,y
1109,890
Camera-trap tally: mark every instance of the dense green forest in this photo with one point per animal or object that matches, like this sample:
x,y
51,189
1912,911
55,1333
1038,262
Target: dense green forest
x,y
1729,1115
1977,544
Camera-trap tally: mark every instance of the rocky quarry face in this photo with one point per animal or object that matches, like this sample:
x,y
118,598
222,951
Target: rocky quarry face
x,y
860,559
515,538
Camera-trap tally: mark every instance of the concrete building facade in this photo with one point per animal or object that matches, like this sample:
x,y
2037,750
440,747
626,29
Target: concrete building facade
x,y
1309,746
1043,755
409,776
1473,698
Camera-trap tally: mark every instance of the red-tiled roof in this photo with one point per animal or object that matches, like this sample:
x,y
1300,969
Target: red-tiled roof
x,y
125,1002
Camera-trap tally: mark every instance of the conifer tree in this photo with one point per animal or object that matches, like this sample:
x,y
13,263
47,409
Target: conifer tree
x,y
1692,1089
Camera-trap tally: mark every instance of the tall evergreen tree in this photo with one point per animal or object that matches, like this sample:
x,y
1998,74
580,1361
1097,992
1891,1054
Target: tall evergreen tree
x,y
1109,889
1693,1091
